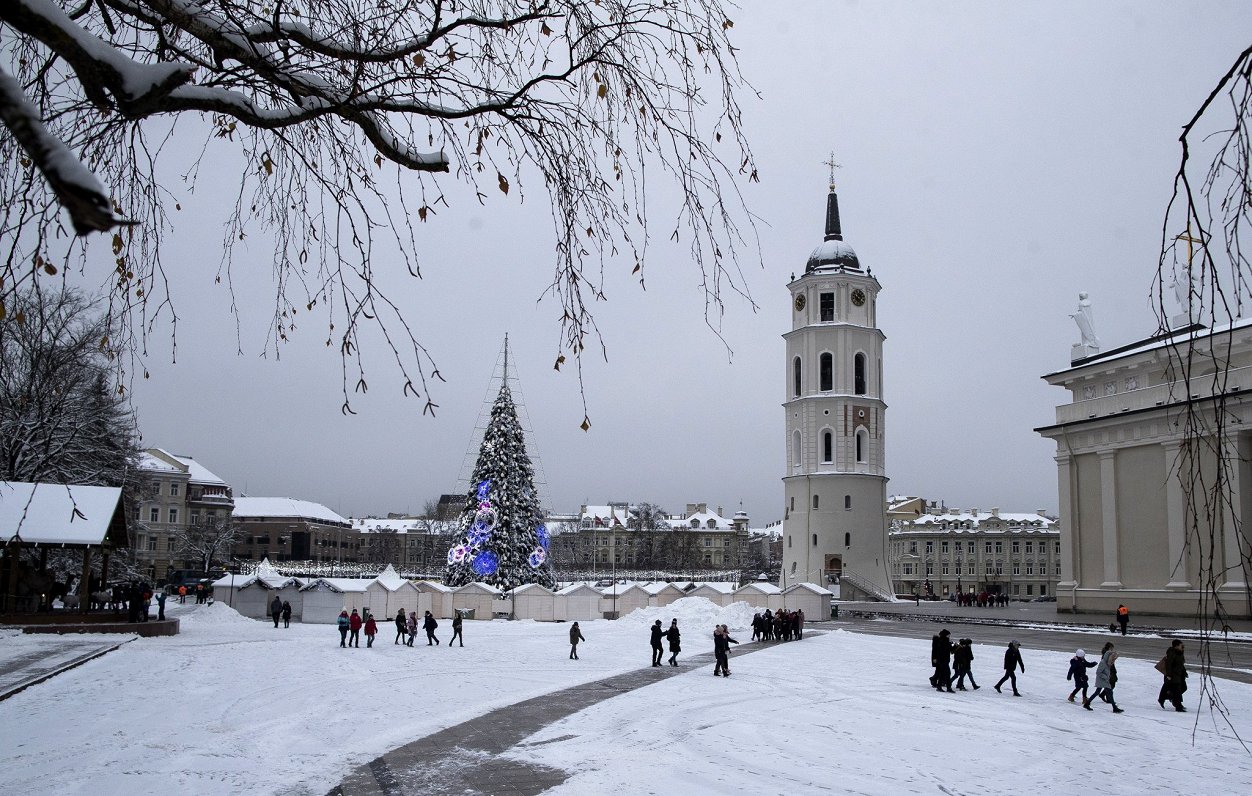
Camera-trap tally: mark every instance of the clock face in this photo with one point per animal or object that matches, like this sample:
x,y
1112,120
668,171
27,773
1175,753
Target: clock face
x,y
799,302
858,297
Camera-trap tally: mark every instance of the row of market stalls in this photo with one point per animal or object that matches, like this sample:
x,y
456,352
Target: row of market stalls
x,y
319,600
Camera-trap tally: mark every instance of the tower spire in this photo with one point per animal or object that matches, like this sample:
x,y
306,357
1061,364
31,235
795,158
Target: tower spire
x,y
833,230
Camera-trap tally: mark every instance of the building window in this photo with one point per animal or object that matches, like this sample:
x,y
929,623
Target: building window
x,y
930,548
930,570
828,447
152,544
858,374
1058,568
860,445
945,569
969,570
943,547
173,516
913,547
793,502
1030,546
797,372
795,448
1030,569
1043,589
847,502
826,372
154,514
971,548
1029,590
1016,546
815,540
908,569
173,490
815,501
999,546
788,541
847,540
989,568
826,307
1017,569
999,568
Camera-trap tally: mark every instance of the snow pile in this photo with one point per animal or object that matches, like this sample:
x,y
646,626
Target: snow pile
x,y
697,613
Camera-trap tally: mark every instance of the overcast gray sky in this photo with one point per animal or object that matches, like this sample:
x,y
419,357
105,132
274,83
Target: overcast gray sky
x,y
997,158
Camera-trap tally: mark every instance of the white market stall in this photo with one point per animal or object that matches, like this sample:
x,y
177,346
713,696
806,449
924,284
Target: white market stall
x,y
577,602
324,598
628,598
662,594
389,592
810,598
760,595
477,597
721,594
436,598
534,601
251,595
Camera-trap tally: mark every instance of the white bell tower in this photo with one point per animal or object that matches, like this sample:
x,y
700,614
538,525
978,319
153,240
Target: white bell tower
x,y
835,520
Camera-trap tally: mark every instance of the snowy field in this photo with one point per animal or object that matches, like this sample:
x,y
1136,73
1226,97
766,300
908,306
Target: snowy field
x,y
232,705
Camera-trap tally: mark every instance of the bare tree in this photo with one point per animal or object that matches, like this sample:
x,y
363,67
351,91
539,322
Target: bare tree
x,y
1205,268
344,114
207,540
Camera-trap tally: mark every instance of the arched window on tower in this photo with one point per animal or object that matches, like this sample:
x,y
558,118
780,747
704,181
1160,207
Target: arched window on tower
x,y
828,447
847,502
827,372
815,501
858,374
815,540
797,374
847,540
795,447
862,438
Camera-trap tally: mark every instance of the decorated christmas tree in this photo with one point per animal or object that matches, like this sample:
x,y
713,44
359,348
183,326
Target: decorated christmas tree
x,y
502,541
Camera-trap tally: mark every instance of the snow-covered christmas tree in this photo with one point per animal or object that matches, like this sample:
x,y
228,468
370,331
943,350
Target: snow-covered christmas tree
x,y
503,541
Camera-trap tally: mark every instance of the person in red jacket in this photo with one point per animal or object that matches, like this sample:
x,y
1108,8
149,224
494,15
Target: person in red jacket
x,y
354,625
371,629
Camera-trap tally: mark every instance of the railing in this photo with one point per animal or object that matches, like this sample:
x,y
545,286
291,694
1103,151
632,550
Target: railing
x,y
866,585
1156,395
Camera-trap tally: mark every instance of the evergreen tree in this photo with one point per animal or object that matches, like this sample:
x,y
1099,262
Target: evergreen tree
x,y
502,540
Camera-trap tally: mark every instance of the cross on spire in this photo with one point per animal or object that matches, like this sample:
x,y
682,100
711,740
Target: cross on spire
x,y
833,165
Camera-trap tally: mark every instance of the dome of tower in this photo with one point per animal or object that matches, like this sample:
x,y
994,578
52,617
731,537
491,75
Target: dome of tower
x,y
833,254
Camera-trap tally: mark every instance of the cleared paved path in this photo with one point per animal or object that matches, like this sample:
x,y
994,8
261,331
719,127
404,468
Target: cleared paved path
x,y
465,759
45,657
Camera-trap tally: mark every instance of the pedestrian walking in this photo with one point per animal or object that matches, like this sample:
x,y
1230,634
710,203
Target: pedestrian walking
x,y
1174,669
400,628
1012,660
1078,666
456,631
941,659
343,623
672,636
657,650
429,625
575,636
276,609
286,614
1106,679
1123,617
371,630
962,660
161,605
354,624
410,627
721,650
182,594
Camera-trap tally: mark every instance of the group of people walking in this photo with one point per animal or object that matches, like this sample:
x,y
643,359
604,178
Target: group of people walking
x,y
670,635
406,629
945,656
281,609
778,626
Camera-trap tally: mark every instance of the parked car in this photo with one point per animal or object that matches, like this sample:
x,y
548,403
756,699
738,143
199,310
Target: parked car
x,y
1047,598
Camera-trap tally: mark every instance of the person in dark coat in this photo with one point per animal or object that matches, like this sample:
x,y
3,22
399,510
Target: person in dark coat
x,y
410,626
1175,673
429,625
371,629
657,650
1078,666
1012,660
161,605
721,650
1123,617
575,636
401,633
941,659
276,609
343,623
1106,679
456,631
354,624
286,614
672,636
963,660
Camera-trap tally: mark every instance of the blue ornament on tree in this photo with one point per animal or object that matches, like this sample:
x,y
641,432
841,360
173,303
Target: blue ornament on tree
x,y
537,558
483,486
542,533
485,563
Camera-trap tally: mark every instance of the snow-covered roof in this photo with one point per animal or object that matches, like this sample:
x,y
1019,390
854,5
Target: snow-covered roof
x,y
606,516
975,520
269,507
530,587
577,587
818,590
196,472
339,584
760,586
702,519
721,587
390,580
833,254
478,586
432,586
57,514
656,588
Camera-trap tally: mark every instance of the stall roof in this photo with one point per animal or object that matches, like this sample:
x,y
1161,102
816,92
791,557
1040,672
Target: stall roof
x,y
62,514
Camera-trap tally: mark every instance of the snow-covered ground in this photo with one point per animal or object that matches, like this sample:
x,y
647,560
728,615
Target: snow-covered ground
x,y
233,705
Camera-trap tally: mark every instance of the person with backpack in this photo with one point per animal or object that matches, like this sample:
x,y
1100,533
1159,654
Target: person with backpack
x,y
1012,660
575,636
429,625
1078,666
371,629
456,631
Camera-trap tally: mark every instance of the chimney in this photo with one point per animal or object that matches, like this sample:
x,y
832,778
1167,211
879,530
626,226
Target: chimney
x,y
995,511
954,511
973,512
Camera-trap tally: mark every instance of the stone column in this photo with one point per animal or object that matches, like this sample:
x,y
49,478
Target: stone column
x,y
1175,519
1232,515
1108,520
1071,564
